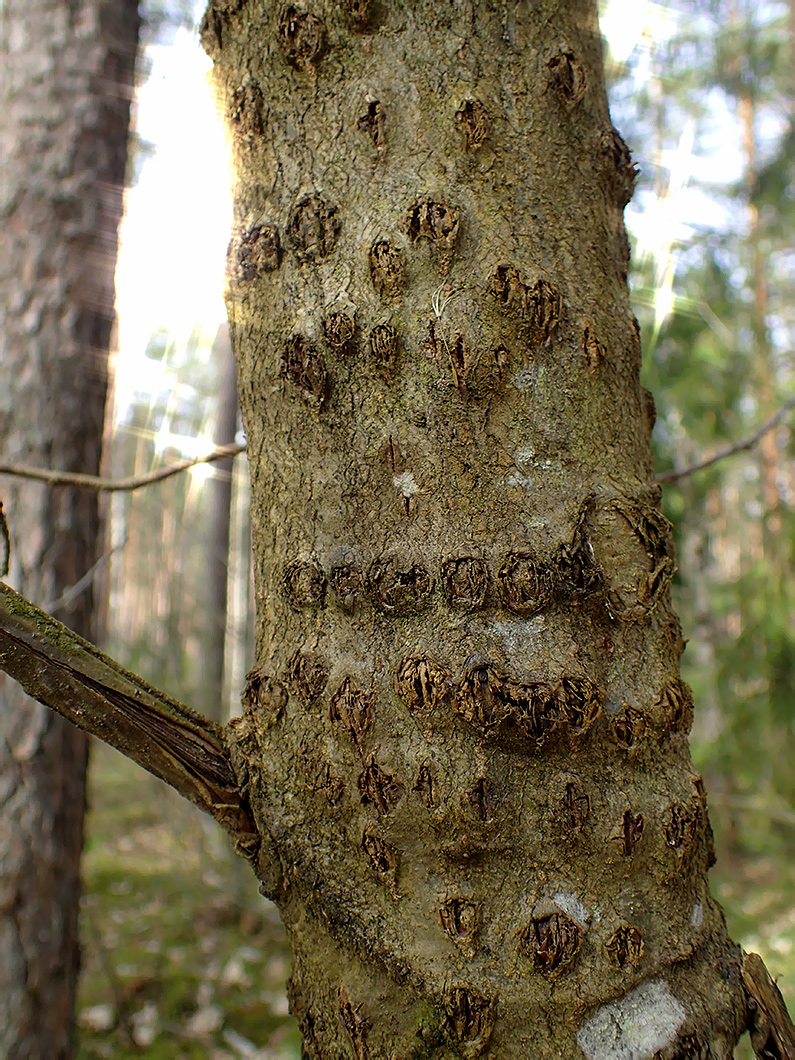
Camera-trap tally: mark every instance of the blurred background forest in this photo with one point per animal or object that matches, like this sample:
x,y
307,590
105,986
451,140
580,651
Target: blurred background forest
x,y
182,956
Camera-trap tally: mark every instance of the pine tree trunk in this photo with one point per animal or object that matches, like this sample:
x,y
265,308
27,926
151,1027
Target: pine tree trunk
x,y
466,734
66,72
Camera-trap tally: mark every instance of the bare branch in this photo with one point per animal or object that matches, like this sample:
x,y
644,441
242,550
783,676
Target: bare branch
x,y
72,677
772,1033
675,474
68,597
107,485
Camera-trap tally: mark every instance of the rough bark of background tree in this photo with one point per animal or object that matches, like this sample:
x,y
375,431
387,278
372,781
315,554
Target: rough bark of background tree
x,y
66,77
465,737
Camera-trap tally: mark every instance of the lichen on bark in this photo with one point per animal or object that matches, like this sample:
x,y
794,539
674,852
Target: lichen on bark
x,y
487,820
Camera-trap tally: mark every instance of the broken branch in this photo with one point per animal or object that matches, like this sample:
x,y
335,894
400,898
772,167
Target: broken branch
x,y
79,682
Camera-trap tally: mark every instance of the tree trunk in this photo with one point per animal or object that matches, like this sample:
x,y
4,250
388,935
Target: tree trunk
x,y
466,735
66,75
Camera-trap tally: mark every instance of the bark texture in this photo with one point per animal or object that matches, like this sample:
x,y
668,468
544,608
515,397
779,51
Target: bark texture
x,y
66,75
466,734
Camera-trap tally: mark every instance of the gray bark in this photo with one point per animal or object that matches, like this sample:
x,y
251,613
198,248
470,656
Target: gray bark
x,y
465,738
66,75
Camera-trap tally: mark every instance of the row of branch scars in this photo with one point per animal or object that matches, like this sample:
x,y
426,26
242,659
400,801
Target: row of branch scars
x,y
465,582
524,585
625,947
628,728
622,171
425,786
702,819
421,684
473,120
538,305
347,581
575,809
530,716
551,941
255,252
383,347
567,76
593,350
356,1023
675,705
304,585
680,829
378,788
352,709
387,270
483,800
636,574
398,587
437,223
215,24
320,777
631,833
264,697
470,1017
302,36
307,675
313,228
460,919
382,857
373,122
633,546
247,112
304,367
340,330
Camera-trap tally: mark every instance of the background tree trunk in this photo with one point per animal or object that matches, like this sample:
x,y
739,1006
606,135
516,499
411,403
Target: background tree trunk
x,y
466,734
66,79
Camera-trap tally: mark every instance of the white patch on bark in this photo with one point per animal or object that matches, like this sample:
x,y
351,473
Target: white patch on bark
x,y
518,636
635,1026
697,916
515,479
524,378
570,904
406,484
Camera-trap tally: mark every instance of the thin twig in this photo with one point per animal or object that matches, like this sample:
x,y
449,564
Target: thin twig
x,y
675,474
68,597
93,482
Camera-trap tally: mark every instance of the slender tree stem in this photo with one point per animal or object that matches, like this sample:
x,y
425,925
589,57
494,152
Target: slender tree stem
x,y
748,443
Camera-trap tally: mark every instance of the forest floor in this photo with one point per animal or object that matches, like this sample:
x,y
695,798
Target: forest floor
x,y
184,960
182,957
